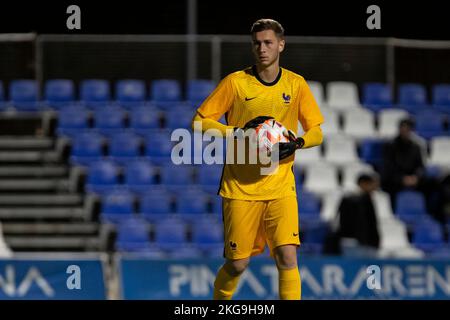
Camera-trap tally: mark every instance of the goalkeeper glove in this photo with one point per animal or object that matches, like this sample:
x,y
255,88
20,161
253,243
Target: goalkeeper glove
x,y
286,149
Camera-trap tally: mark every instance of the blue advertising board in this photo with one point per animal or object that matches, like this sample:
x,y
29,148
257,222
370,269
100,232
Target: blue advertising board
x,y
52,278
322,278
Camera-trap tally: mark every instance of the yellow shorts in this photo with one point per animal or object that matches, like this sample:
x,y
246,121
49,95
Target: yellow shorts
x,y
249,225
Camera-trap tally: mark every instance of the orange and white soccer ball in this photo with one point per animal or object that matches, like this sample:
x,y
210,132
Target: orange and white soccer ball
x,y
269,133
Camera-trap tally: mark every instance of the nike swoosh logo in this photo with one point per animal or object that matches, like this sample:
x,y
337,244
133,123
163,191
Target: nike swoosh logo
x,y
248,99
295,234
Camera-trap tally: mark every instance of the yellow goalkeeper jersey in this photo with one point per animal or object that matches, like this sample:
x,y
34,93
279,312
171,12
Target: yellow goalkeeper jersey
x,y
242,96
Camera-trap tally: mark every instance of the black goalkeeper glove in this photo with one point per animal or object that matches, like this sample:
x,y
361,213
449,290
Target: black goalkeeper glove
x,y
252,124
286,149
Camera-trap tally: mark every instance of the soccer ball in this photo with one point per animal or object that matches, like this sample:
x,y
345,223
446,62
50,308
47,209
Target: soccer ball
x,y
269,133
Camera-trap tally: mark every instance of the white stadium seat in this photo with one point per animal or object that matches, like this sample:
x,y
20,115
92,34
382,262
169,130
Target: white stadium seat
x,y
388,121
342,95
341,150
321,178
440,152
318,93
359,124
350,174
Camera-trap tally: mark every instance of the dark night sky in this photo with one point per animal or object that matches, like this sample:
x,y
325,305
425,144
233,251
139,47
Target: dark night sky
x,y
428,20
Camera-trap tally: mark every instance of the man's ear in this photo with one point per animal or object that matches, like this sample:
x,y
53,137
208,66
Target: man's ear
x,y
281,45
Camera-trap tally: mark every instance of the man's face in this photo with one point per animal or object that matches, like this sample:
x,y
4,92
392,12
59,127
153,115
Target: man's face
x,y
267,47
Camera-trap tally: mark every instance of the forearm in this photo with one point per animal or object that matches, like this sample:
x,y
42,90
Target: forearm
x,y
313,137
207,124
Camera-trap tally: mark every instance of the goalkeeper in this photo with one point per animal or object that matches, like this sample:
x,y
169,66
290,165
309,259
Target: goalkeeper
x,y
262,209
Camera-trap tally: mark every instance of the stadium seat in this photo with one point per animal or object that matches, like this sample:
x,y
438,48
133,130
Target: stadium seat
x,y
132,236
156,205
377,96
359,124
117,206
321,178
170,234
340,150
331,126
109,120
186,253
440,152
95,93
372,152
388,122
158,146
314,234
216,202
198,90
192,204
441,97
428,235
139,175
86,148
342,95
207,234
412,97
410,206
24,95
429,124
103,176
144,119
330,205
350,174
176,177
124,147
179,116
308,206
130,93
59,93
208,177
318,92
382,205
165,93
72,120
305,157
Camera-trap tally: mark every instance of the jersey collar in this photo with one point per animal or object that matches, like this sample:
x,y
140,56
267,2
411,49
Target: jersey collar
x,y
274,82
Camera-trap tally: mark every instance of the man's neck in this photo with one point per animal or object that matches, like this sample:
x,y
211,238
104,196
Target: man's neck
x,y
269,73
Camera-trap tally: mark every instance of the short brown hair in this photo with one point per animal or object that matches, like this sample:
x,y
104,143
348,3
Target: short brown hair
x,y
268,24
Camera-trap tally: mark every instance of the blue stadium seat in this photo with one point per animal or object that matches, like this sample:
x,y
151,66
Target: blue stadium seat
x,y
156,205
314,234
95,92
132,236
179,116
24,94
158,146
130,93
72,120
430,123
59,93
109,120
412,97
124,147
186,252
2,96
165,92
377,96
103,176
192,204
139,176
372,152
176,177
216,204
170,234
308,206
86,148
410,206
208,177
428,235
441,97
207,234
198,90
117,206
144,119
